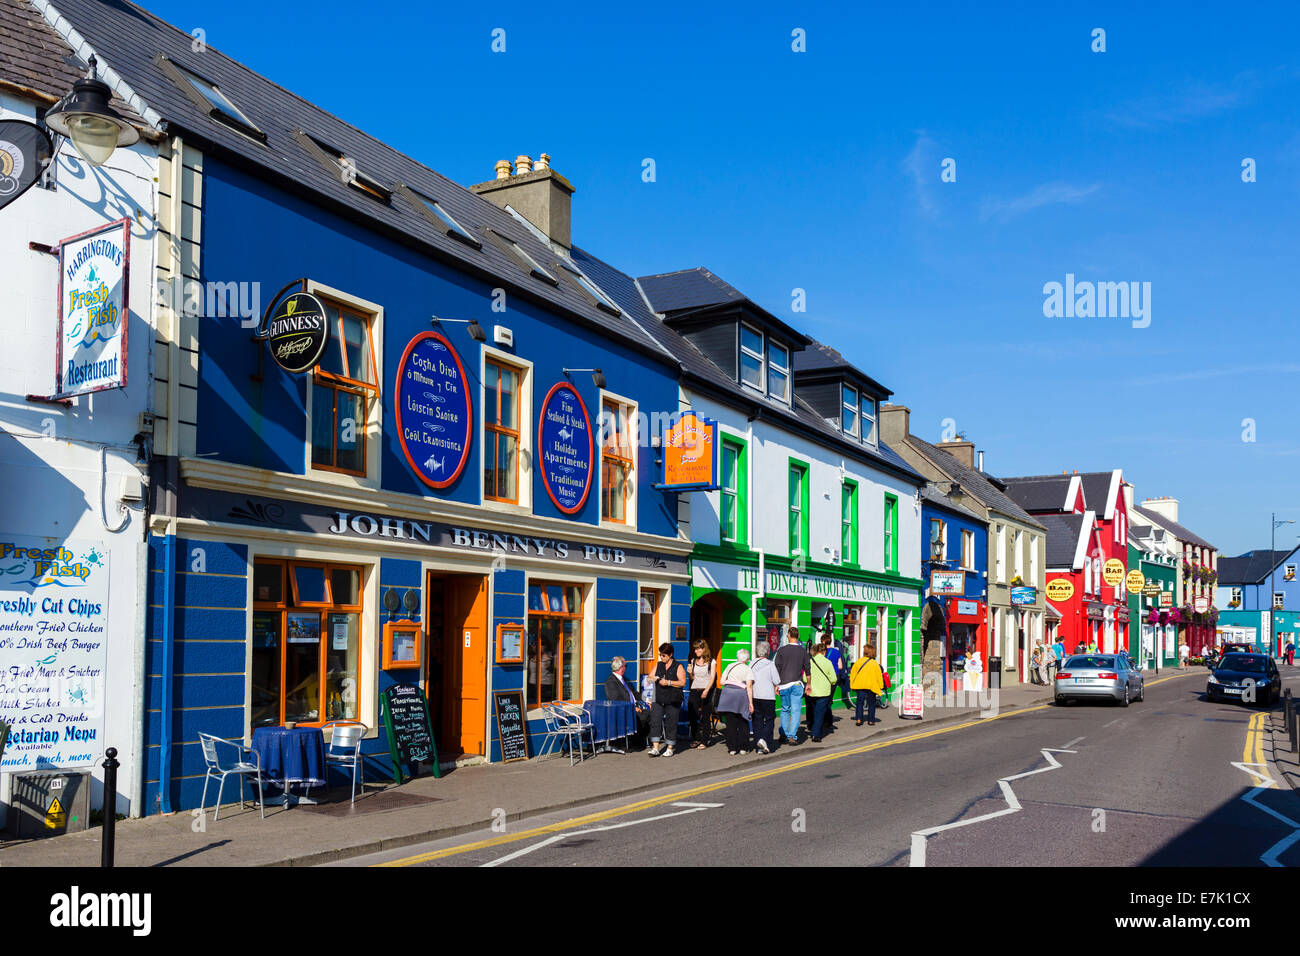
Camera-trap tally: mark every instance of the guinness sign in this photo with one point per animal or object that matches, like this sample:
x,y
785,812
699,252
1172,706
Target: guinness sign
x,y
25,151
298,333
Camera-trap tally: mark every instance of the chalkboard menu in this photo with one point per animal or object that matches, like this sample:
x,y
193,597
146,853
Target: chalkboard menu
x,y
512,725
410,735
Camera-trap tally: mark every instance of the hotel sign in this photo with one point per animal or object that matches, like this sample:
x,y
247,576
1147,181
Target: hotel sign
x,y
690,454
94,276
565,449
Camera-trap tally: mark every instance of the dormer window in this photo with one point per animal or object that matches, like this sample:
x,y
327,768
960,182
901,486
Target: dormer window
x,y
751,357
868,420
849,411
778,372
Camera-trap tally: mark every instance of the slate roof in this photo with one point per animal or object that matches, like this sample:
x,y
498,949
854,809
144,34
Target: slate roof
x,y
1063,533
936,497
1253,567
34,57
688,289
129,38
974,482
818,358
1178,531
1096,490
1041,493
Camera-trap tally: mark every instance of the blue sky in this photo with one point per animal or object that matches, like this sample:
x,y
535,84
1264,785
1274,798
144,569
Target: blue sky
x,y
821,171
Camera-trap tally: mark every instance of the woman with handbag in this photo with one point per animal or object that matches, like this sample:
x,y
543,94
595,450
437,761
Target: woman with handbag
x,y
670,678
703,671
736,702
821,684
867,681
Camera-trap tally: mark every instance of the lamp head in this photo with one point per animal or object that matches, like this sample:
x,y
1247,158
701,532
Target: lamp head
x,y
86,117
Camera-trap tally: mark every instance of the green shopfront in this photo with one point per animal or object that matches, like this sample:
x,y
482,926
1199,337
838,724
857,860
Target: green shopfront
x,y
740,598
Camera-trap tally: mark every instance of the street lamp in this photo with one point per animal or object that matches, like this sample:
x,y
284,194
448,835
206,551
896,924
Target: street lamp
x,y
1272,578
86,117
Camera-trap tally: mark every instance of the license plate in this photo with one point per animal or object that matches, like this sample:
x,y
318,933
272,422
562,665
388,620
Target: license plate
x,y
1085,680
1232,690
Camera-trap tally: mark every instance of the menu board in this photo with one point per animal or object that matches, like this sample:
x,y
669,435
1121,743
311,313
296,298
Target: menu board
x,y
512,726
913,704
410,735
565,448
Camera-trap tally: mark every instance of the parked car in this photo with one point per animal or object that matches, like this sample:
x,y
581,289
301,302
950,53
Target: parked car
x,y
1244,677
1099,676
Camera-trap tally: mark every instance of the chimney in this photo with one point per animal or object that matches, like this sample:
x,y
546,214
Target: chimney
x,y
963,451
536,192
895,423
981,461
1165,507
1128,496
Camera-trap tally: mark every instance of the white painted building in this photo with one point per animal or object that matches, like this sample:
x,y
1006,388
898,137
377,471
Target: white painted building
x,y
72,472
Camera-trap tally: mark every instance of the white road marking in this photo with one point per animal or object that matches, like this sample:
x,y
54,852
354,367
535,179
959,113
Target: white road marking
x,y
1073,742
920,837
1270,856
690,808
1117,720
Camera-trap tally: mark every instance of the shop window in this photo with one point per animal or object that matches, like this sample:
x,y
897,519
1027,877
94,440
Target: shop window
x,y
777,614
554,653
731,502
849,522
344,392
648,631
501,438
306,642
617,457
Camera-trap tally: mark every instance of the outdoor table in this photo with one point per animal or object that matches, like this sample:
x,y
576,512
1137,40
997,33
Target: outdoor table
x,y
289,756
611,719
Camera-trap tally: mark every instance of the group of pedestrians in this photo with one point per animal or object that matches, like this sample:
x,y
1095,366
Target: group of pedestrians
x,y
1045,661
746,695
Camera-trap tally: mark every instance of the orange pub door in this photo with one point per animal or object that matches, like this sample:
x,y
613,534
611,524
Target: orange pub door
x,y
456,680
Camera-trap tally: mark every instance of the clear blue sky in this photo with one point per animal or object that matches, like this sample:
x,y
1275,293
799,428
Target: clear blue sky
x,y
821,171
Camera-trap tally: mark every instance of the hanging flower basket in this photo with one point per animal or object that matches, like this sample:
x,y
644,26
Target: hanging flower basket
x,y
1176,616
1164,617
1154,617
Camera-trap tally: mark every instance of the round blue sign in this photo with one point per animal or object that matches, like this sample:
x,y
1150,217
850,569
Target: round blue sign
x,y
565,448
433,411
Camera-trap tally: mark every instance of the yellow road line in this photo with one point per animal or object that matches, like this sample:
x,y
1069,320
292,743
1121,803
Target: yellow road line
x,y
1253,752
704,788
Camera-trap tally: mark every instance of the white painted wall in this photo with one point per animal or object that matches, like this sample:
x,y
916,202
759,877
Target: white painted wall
x,y
51,486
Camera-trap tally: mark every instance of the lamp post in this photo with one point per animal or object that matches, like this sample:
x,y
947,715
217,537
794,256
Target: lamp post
x,y
1272,577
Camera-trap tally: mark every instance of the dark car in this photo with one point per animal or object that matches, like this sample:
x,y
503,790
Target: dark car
x,y
1246,677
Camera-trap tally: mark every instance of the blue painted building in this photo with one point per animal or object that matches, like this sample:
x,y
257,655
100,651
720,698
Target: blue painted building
x,y
460,493
1257,584
954,557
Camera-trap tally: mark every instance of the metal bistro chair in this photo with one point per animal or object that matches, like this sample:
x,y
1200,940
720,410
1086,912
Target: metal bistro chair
x,y
574,727
239,766
344,750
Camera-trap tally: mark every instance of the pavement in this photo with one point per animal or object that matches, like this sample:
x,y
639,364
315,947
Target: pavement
x,y
1173,780
464,800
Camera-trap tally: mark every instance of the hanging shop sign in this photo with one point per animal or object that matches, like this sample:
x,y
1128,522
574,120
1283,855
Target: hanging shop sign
x,y
53,652
94,277
1135,581
1060,589
690,451
1151,588
1201,605
1166,598
565,448
433,411
25,151
1113,572
298,333
1023,595
947,582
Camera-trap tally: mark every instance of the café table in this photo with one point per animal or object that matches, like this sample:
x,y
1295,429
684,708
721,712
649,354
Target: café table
x,y
611,719
291,755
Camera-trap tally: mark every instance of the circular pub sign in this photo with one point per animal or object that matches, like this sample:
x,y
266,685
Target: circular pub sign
x,y
1135,581
433,411
1060,589
1113,572
565,448
298,333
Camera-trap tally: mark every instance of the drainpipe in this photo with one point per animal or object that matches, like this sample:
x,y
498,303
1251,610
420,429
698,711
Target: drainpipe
x,y
753,610
168,646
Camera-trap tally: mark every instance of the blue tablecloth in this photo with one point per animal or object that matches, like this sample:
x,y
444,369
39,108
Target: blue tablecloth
x,y
612,719
291,756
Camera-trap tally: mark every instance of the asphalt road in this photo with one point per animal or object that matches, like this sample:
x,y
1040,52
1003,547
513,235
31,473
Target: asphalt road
x,y
1151,784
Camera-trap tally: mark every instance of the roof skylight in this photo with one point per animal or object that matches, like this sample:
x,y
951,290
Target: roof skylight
x,y
209,97
599,298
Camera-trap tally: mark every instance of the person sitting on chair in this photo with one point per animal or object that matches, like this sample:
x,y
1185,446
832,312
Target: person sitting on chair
x,y
618,687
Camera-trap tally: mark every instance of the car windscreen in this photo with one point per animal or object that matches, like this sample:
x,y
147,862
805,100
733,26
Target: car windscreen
x,y
1090,661
1246,663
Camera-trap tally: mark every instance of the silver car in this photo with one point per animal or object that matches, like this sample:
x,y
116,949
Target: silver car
x,y
1099,676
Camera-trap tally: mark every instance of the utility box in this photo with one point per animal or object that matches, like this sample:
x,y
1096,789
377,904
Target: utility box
x,y
49,802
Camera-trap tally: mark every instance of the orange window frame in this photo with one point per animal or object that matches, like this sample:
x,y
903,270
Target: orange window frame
x,y
616,449
347,383
493,432
289,587
566,614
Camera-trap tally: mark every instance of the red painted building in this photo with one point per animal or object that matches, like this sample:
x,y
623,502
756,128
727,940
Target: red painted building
x,y
1087,552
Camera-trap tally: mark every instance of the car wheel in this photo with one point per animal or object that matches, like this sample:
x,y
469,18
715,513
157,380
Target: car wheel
x,y
1142,691
1125,701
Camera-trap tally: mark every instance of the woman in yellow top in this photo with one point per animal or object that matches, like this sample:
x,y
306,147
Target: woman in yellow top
x,y
868,680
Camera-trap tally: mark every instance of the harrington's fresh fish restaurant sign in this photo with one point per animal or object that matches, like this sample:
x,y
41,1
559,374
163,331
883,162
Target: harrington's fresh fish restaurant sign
x,y
94,274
